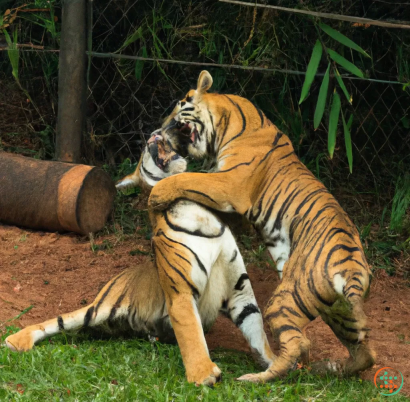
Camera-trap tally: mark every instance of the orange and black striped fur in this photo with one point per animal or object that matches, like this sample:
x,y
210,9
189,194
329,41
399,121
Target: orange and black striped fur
x,y
199,258
310,237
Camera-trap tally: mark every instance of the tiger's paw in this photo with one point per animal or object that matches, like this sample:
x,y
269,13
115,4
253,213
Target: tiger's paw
x,y
258,378
125,184
207,376
155,203
326,367
22,341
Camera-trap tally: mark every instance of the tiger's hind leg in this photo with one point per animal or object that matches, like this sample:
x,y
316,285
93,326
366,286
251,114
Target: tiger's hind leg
x,y
287,320
348,321
178,267
98,312
242,307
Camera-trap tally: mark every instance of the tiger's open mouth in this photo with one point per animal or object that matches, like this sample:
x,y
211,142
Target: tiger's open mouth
x,y
161,152
188,130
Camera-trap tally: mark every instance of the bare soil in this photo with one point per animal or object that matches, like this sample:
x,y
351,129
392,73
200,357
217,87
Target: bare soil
x,y
58,273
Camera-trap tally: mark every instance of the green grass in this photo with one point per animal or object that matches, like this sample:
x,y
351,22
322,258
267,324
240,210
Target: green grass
x,y
401,202
77,368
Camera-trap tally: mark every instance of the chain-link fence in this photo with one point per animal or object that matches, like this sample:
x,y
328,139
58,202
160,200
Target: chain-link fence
x,y
29,58
127,97
382,135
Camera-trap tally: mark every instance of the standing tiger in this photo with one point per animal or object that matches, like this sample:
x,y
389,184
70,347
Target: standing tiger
x,y
197,249
315,246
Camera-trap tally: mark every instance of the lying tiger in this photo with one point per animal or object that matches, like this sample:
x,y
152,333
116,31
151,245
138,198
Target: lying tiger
x,y
157,161
309,236
198,249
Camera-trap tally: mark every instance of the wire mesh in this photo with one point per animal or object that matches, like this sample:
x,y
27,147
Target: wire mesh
x,y
127,99
130,97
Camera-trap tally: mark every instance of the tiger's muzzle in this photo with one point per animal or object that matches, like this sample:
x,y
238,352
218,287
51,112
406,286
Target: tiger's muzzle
x,y
161,151
182,134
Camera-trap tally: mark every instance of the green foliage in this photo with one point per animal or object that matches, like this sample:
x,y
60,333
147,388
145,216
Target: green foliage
x,y
149,31
311,70
139,64
125,168
348,141
344,63
321,99
78,368
342,85
13,52
336,102
333,120
48,23
127,220
382,249
246,241
46,137
131,39
339,37
44,3
401,202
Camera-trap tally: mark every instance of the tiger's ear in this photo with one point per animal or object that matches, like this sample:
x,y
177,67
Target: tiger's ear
x,y
204,82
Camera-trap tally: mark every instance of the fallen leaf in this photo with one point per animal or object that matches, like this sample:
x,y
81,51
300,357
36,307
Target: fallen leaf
x,y
20,389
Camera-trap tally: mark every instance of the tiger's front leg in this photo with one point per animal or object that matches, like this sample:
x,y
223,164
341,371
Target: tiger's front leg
x,y
214,190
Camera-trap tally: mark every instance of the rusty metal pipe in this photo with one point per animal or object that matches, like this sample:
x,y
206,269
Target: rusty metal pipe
x,y
54,196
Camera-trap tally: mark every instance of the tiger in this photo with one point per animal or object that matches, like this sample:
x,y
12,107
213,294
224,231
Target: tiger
x,y
315,246
158,161
199,250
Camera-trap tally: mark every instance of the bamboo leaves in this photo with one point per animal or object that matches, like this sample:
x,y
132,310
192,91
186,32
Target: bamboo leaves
x,y
348,141
336,35
321,100
131,39
13,53
342,86
311,70
345,63
139,65
333,120
335,108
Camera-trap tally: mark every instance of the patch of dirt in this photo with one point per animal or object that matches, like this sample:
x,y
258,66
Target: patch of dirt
x,y
387,309
57,273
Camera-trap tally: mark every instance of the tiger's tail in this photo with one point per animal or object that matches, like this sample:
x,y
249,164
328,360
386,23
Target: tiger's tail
x,y
90,316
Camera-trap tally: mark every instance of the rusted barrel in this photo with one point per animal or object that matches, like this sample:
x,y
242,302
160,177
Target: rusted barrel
x,y
54,196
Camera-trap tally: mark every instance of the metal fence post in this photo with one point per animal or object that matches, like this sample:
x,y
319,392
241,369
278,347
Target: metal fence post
x,y
71,81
